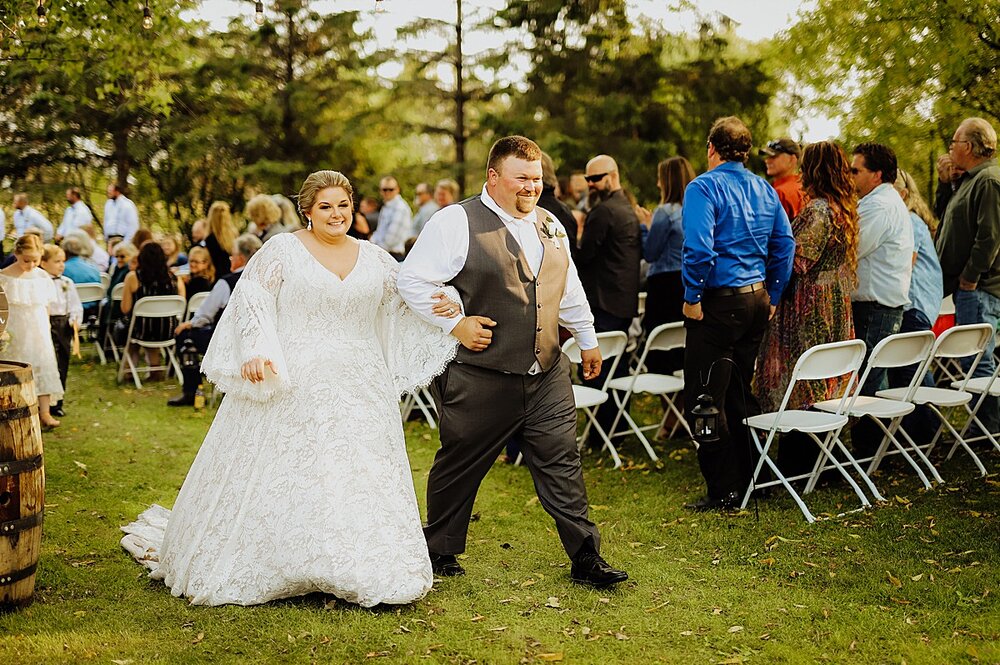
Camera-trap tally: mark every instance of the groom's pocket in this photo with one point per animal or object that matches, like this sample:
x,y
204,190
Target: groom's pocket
x,y
439,386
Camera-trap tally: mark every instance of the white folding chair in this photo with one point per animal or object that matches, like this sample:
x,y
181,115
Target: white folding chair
x,y
152,307
665,337
421,400
109,338
612,345
194,302
900,350
954,343
986,386
824,361
105,281
89,294
948,369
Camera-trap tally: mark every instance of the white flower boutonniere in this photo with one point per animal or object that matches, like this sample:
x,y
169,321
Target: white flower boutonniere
x,y
552,231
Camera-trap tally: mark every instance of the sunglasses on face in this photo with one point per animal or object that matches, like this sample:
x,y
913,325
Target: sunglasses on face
x,y
388,189
596,178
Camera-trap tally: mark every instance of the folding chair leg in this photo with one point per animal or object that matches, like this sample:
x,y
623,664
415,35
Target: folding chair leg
x,y
765,458
891,438
920,453
960,441
974,418
592,417
621,403
177,368
826,447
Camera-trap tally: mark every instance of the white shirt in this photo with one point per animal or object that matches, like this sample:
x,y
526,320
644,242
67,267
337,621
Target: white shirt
x,y
121,218
76,215
67,302
217,298
885,248
29,218
443,246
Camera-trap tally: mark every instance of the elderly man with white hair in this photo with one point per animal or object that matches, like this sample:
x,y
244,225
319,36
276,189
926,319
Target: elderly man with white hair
x,y
968,241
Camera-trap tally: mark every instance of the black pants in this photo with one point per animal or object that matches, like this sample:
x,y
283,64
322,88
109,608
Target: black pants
x,y
480,409
605,322
192,375
732,327
664,303
62,340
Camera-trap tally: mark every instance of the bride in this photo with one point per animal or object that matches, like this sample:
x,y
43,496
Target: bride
x,y
302,483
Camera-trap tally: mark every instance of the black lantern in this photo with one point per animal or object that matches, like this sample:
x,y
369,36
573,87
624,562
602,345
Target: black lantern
x,y
189,354
706,420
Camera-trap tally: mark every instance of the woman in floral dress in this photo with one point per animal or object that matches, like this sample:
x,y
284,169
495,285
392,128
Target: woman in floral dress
x,y
816,306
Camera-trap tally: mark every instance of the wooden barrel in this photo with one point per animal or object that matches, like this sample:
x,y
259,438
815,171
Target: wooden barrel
x,y
22,484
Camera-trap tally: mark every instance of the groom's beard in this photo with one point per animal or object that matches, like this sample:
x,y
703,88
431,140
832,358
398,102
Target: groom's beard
x,y
526,204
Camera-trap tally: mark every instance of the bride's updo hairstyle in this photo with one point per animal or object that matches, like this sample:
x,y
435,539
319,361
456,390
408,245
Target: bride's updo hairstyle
x,y
317,182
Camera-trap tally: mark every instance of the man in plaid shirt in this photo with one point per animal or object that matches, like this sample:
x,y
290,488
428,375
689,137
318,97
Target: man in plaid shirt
x,y
395,221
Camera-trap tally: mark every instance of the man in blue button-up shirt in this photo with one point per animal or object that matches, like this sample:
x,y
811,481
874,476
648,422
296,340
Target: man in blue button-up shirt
x,y
738,252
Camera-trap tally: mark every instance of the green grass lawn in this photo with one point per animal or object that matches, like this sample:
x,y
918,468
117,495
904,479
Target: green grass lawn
x,y
912,581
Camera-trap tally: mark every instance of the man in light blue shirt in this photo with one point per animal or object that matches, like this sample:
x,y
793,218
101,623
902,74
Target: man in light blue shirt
x,y
736,262
121,217
885,252
395,221
26,217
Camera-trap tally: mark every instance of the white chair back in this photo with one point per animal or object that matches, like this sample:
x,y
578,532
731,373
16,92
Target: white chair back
x,y
194,303
947,306
159,307
666,337
611,344
900,350
963,341
642,303
105,280
116,293
826,361
90,292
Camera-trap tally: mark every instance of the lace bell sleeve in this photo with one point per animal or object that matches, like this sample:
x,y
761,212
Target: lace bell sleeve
x,y
415,351
248,330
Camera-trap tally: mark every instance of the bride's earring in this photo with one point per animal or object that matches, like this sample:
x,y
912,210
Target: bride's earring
x,y
309,223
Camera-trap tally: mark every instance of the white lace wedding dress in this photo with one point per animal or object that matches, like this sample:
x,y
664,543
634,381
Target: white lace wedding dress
x,y
303,482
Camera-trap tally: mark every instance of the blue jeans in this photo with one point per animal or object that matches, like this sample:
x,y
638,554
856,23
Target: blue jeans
x,y
873,323
980,307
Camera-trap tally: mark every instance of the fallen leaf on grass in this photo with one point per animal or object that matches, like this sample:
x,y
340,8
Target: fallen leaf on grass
x,y
200,636
498,629
478,617
735,629
917,578
122,662
551,657
553,602
687,633
894,580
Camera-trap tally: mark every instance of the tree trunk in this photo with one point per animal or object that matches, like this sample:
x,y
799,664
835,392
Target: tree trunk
x,y
459,136
121,158
289,142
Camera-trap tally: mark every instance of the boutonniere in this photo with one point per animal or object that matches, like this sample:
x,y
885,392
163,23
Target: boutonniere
x,y
552,231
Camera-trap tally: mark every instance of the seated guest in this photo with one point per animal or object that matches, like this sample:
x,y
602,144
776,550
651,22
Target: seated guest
x,y
221,236
816,306
77,248
150,278
98,256
265,217
289,214
201,278
199,231
198,331
171,245
124,254
141,237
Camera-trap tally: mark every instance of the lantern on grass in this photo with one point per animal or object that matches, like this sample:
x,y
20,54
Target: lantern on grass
x,y
706,420
189,354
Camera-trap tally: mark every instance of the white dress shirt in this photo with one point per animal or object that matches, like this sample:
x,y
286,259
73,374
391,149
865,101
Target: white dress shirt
x,y
29,218
217,298
885,248
443,246
67,302
76,215
121,218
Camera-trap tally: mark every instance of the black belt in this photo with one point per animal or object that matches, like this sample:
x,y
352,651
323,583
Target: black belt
x,y
735,290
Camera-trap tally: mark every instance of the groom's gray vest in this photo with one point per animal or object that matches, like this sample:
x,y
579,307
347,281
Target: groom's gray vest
x,y
498,283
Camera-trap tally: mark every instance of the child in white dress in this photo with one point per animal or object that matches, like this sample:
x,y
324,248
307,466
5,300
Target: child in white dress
x,y
65,314
29,292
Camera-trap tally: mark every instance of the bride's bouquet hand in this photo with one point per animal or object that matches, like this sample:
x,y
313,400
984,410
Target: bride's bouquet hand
x,y
253,370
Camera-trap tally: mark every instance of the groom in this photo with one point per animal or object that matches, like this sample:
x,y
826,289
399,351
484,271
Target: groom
x,y
510,263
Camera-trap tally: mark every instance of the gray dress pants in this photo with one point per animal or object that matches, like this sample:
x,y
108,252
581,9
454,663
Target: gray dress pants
x,y
480,409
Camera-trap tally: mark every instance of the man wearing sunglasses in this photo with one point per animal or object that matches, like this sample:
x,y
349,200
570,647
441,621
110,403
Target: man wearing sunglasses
x,y
608,260
395,221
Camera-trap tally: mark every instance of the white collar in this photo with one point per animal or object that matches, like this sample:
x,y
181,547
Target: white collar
x,y
504,216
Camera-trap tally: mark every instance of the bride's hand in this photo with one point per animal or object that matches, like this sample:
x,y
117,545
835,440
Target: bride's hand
x,y
253,370
445,307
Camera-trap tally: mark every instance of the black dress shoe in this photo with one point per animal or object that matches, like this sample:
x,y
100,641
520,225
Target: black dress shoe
x,y
729,502
57,411
589,568
182,400
446,565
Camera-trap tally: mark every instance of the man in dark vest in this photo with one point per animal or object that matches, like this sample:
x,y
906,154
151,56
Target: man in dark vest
x,y
198,331
510,263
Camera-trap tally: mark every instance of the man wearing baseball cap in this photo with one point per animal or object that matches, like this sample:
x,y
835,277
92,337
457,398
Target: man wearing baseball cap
x,y
782,159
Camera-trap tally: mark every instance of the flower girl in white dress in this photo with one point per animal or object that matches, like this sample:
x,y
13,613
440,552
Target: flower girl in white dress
x,y
29,292
303,483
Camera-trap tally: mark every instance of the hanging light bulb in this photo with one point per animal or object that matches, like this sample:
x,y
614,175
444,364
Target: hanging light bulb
x,y
43,20
147,17
258,16
379,6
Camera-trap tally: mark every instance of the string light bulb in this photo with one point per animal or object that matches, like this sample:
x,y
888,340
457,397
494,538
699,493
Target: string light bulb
x,y
258,16
379,6
43,20
147,17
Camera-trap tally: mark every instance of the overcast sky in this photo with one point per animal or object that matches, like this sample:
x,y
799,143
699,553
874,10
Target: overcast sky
x,y
756,19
